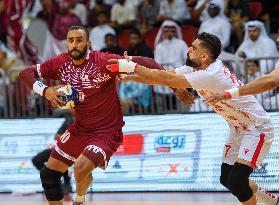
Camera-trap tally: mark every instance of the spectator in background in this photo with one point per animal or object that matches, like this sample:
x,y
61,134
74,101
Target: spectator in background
x,y
3,26
137,47
149,12
201,8
112,46
238,14
257,44
98,33
99,6
217,24
46,14
175,10
63,19
134,97
123,15
170,48
170,52
80,11
6,60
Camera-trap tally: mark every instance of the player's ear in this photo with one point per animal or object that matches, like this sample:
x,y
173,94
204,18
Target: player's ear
x,y
205,56
89,45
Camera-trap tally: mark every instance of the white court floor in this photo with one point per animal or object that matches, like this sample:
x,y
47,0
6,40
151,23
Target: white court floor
x,y
141,198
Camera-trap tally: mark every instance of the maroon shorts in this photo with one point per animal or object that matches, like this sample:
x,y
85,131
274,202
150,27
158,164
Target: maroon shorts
x,y
96,146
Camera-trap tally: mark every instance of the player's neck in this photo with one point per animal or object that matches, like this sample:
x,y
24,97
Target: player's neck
x,y
202,67
79,62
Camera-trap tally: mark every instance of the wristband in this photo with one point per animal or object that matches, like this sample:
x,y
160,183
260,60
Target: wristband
x,y
124,66
39,87
232,93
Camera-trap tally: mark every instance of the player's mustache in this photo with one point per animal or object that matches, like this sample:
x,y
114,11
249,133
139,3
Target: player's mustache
x,y
75,50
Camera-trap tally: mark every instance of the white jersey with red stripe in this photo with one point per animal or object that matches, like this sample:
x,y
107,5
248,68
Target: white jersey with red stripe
x,y
243,114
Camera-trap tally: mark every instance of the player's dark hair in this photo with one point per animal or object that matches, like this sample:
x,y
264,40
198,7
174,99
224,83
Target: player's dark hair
x,y
212,43
78,27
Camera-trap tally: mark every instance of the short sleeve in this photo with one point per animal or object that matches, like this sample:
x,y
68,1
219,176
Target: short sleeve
x,y
183,70
50,68
202,79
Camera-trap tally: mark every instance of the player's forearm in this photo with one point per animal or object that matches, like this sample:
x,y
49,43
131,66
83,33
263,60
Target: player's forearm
x,y
147,62
153,76
30,78
264,83
138,79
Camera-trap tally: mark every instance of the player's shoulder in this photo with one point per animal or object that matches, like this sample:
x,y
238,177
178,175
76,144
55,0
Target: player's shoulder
x,y
98,55
63,57
57,60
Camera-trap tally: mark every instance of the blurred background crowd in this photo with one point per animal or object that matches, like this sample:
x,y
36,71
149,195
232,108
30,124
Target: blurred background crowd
x,y
32,31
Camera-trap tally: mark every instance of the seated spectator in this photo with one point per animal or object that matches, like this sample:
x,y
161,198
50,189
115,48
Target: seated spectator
x,y
201,8
257,44
238,14
175,10
135,97
252,69
123,15
98,33
47,9
80,11
137,47
217,24
149,13
170,51
170,48
100,5
112,46
3,26
63,19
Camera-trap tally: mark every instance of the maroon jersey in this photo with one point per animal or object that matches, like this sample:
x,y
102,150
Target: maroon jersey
x,y
100,109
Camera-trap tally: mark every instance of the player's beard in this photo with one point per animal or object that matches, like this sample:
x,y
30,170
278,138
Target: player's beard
x,y
82,53
191,62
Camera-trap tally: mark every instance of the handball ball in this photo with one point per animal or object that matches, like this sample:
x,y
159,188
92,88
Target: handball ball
x,y
71,96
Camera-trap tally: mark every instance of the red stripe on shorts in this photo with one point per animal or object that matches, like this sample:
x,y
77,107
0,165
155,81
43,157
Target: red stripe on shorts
x,y
258,150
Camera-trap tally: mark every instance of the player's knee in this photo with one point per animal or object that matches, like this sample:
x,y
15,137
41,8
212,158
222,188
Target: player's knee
x,y
52,184
80,170
238,182
225,171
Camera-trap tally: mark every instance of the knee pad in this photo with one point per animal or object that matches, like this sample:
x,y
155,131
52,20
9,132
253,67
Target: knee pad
x,y
238,182
225,171
52,184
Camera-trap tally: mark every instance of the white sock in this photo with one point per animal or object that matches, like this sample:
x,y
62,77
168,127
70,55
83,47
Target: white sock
x,y
77,198
266,197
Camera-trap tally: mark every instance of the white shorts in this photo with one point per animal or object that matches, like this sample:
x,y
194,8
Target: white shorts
x,y
251,146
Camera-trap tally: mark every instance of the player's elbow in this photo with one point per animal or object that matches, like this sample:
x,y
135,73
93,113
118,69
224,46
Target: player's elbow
x,y
273,82
22,74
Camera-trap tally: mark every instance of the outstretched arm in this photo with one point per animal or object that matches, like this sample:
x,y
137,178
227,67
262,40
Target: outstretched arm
x,y
161,77
261,84
148,76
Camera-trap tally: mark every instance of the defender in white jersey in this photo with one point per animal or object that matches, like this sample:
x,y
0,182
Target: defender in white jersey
x,y
251,129
261,84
